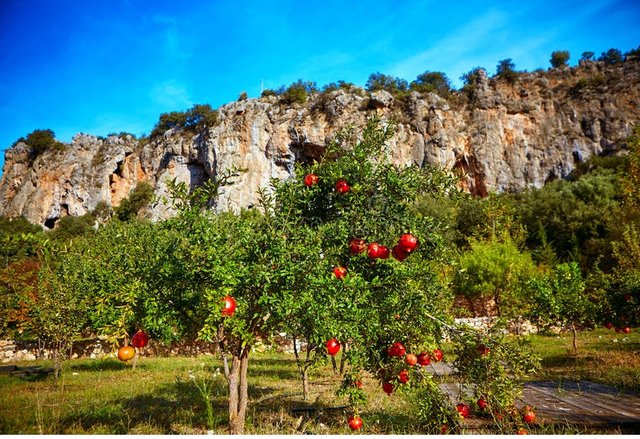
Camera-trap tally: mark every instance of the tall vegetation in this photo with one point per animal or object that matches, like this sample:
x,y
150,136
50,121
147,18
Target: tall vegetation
x,y
559,58
40,141
197,118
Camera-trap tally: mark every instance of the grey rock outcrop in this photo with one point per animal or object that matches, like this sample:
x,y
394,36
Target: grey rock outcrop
x,y
501,136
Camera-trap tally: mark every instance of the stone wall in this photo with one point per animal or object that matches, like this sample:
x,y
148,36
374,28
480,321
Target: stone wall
x,y
14,351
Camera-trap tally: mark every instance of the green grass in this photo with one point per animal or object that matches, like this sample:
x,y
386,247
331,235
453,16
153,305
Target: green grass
x,y
162,395
603,357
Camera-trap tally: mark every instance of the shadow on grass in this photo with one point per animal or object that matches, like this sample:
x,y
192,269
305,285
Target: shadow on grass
x,y
170,409
178,403
178,407
101,365
35,377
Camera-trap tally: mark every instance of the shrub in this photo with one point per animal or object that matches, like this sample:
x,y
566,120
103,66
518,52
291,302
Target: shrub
x,y
380,81
587,56
495,269
40,141
506,70
559,58
611,56
139,198
298,92
70,227
633,55
17,239
199,117
268,92
436,82
243,96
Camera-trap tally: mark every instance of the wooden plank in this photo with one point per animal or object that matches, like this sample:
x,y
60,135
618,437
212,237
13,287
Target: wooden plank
x,y
574,405
550,407
614,402
579,407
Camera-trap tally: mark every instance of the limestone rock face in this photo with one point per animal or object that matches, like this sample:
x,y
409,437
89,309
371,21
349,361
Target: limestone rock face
x,y
501,136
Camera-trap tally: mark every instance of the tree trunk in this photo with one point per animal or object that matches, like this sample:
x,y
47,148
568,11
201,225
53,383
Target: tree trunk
x,y
575,338
302,368
57,361
343,359
238,391
334,365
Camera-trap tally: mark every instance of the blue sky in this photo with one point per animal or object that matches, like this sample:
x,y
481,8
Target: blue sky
x,y
98,66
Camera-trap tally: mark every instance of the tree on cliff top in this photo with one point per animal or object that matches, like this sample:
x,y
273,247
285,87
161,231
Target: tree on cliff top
x,y
559,58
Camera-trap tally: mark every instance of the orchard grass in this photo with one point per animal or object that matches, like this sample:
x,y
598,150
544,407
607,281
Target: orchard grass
x,y
162,396
604,356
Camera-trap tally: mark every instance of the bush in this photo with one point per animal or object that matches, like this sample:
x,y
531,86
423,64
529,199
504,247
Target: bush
x,y
199,117
579,218
506,70
495,269
633,55
268,92
611,56
587,56
139,198
17,239
380,81
559,58
436,82
298,92
40,141
243,96
70,227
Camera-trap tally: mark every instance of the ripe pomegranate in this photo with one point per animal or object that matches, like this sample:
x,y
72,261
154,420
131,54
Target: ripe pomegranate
x,y
482,403
403,376
340,272
437,355
373,250
398,253
387,387
357,246
411,359
463,409
311,179
229,306
529,416
333,347
424,359
342,186
355,422
126,353
408,242
140,339
396,350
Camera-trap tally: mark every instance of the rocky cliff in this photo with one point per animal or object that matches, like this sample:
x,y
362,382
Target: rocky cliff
x,y
501,136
